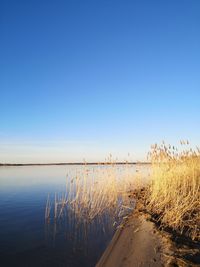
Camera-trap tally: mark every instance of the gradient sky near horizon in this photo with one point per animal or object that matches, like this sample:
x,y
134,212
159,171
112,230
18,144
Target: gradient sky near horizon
x,y
82,79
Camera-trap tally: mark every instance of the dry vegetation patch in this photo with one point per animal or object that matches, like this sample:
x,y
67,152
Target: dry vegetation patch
x,y
94,191
174,192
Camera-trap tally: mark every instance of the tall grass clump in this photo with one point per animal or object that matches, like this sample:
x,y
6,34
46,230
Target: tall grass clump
x,y
103,189
174,191
94,191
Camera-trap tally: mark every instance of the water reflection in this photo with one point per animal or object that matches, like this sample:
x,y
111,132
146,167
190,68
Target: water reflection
x,y
95,202
69,238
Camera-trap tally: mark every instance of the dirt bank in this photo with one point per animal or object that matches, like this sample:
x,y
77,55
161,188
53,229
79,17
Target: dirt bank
x,y
136,243
142,242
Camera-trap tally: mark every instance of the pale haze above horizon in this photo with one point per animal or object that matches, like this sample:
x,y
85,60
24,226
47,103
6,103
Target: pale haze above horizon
x,y
80,80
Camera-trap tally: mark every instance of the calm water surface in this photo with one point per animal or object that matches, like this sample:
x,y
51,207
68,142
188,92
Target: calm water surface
x,y
25,238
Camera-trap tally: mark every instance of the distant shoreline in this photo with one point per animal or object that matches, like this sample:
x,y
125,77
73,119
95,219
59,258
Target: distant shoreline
x,y
72,163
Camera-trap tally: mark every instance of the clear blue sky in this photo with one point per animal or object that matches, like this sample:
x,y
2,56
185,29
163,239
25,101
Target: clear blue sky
x,y
82,79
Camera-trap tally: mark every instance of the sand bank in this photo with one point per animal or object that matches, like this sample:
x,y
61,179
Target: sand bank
x,y
136,243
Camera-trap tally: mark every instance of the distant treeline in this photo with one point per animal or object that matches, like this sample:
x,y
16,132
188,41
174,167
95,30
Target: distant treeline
x,y
72,163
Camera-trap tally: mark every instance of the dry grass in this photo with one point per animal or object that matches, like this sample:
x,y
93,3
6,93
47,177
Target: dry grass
x,y
95,191
174,192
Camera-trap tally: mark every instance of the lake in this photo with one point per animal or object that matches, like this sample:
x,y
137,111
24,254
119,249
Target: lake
x,y
28,239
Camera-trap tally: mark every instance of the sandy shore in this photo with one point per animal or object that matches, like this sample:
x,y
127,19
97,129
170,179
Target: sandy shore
x,y
140,242
136,243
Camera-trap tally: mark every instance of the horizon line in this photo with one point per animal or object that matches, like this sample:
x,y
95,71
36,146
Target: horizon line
x,y
74,163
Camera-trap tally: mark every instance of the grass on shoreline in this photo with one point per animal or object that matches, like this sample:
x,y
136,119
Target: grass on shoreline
x,y
92,192
174,191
